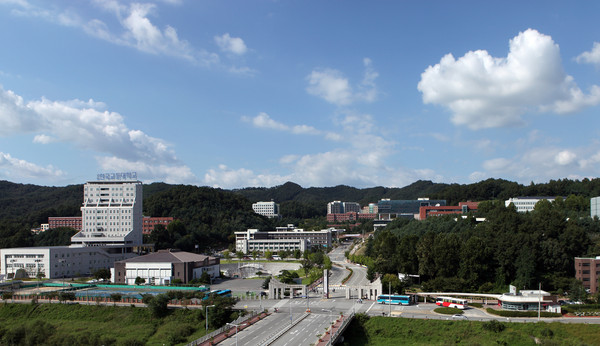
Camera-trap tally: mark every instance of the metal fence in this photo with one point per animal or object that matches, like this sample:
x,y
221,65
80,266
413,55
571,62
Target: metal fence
x,y
216,332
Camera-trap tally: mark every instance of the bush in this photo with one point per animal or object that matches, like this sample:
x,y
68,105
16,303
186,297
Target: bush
x,y
511,313
493,326
448,311
476,305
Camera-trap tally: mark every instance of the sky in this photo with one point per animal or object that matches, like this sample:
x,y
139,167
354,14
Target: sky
x,y
236,94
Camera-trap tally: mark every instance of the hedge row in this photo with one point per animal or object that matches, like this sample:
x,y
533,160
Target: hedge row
x,y
510,313
448,311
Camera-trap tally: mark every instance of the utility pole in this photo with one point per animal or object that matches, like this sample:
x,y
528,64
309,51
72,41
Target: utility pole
x,y
539,300
390,296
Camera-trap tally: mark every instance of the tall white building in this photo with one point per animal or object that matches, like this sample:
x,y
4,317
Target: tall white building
x,y
339,207
268,209
525,204
112,211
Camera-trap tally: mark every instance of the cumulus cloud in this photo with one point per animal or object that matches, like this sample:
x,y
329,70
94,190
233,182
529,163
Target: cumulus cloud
x,y
89,126
332,86
543,163
228,44
134,28
170,174
224,177
360,160
483,91
264,121
13,168
591,57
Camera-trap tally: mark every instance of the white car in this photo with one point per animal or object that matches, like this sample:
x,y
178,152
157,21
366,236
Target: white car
x,y
459,316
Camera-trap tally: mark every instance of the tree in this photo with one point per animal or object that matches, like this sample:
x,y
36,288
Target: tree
x,y
227,254
297,254
269,255
577,292
394,281
265,283
64,296
205,278
140,281
239,255
116,297
102,274
159,305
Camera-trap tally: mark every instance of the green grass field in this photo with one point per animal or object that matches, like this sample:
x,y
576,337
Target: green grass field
x,y
62,324
403,331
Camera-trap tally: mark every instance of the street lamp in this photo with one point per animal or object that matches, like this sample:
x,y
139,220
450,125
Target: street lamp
x,y
236,331
12,265
206,315
62,262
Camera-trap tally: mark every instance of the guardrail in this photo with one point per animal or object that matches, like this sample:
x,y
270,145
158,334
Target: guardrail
x,y
216,332
273,337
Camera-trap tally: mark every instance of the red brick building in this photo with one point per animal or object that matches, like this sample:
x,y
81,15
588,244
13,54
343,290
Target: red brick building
x,y
587,270
462,208
149,222
64,221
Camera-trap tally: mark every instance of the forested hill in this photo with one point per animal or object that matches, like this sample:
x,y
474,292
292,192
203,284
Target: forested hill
x,y
294,192
490,189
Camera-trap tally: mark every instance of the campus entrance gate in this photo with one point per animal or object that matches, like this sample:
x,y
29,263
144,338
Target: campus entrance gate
x,y
365,292
277,289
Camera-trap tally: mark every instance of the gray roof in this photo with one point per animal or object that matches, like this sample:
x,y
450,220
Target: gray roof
x,y
172,256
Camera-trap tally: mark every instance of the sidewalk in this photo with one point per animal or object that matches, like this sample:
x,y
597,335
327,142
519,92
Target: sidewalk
x,y
325,339
231,332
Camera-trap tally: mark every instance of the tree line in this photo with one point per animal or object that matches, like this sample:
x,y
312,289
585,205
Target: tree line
x,y
523,249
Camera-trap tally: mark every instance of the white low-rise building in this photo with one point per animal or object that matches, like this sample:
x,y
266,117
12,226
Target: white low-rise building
x,y
53,262
164,266
283,238
525,204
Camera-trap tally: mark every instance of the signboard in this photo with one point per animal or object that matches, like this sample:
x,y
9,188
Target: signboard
x,y
117,176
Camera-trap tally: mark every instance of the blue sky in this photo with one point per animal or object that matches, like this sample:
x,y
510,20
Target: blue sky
x,y
256,93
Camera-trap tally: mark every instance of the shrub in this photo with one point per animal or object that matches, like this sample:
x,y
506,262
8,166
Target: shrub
x,y
511,313
448,311
493,326
476,305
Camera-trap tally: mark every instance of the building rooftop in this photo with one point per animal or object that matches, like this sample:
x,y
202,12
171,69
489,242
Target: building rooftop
x,y
169,255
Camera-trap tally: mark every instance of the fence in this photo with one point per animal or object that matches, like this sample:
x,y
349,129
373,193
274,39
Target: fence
x,y
216,332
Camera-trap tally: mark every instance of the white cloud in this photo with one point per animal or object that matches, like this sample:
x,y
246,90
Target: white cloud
x,y
264,121
230,44
482,91
150,172
565,157
333,87
13,168
223,177
591,57
43,139
135,28
87,126
544,163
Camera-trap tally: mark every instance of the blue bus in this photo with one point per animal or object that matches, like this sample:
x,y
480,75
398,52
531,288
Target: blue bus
x,y
224,293
396,299
220,293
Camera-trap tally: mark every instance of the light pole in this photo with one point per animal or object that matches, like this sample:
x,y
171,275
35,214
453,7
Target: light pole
x,y
206,315
62,264
12,265
236,331
37,274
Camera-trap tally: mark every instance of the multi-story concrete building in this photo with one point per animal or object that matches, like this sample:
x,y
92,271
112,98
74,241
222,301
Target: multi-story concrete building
x,y
525,204
149,222
112,211
59,261
339,207
268,209
595,207
462,208
390,209
164,266
587,270
283,238
349,217
111,231
64,221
